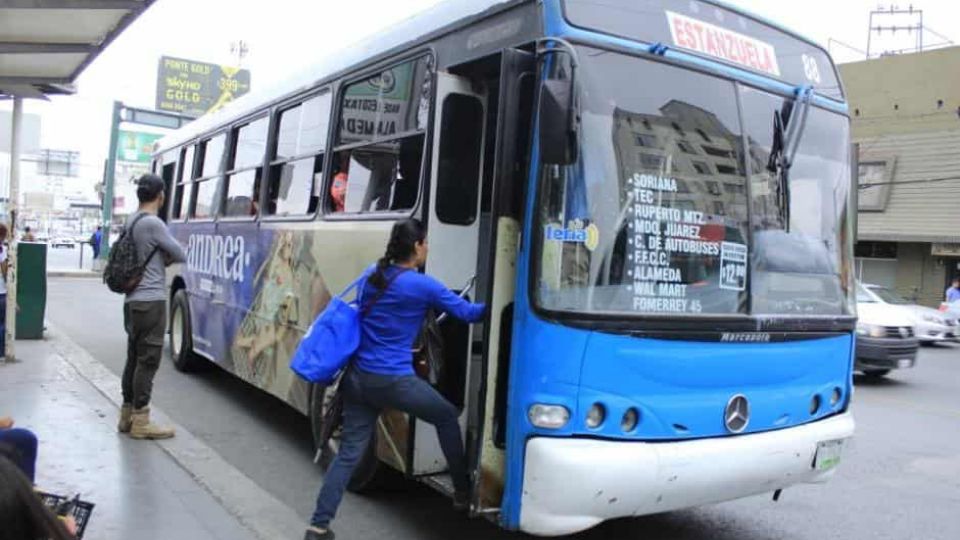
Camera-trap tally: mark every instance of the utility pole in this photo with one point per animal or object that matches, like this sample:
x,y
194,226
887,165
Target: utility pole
x,y
109,177
10,324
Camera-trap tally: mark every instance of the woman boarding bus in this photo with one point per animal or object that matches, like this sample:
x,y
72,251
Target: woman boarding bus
x,y
395,298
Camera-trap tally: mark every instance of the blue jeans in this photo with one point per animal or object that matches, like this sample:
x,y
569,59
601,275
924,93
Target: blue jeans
x,y
365,395
20,445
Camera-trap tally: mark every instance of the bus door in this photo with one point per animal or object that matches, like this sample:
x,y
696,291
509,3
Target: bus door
x,y
454,224
511,147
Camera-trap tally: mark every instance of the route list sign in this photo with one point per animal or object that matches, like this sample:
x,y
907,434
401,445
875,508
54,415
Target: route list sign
x,y
195,88
663,241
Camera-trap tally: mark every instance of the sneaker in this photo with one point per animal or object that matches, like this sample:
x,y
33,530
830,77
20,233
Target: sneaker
x,y
315,533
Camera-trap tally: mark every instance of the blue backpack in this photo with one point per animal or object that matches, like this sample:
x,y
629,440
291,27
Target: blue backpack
x,y
333,337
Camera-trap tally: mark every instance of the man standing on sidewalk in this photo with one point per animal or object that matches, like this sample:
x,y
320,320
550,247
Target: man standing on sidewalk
x,y
145,310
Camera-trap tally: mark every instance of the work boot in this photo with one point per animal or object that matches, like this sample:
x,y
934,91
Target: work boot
x,y
142,428
126,414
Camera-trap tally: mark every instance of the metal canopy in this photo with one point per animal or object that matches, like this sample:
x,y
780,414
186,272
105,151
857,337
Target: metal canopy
x,y
46,44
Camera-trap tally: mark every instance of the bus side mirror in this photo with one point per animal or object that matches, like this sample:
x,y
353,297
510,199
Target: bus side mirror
x,y
558,138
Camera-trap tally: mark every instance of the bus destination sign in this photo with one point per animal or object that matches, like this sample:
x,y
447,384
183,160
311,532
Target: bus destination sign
x,y
195,88
722,43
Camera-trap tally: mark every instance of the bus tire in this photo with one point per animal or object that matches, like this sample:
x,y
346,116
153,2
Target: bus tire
x,y
876,374
181,336
326,437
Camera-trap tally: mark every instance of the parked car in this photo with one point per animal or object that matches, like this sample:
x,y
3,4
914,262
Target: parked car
x,y
886,336
61,241
932,326
951,310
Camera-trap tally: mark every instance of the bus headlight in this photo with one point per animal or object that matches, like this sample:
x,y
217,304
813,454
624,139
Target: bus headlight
x,y
548,416
629,421
596,415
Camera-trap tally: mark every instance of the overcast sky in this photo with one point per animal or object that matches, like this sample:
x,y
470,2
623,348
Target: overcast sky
x,y
284,34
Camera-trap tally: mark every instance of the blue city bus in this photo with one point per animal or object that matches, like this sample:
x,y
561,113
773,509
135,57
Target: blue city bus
x,y
654,198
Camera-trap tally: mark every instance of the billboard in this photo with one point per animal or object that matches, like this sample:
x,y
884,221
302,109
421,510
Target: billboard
x,y
195,88
136,146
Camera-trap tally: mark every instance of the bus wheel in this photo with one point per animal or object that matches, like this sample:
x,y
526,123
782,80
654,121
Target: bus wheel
x,y
876,374
181,337
326,422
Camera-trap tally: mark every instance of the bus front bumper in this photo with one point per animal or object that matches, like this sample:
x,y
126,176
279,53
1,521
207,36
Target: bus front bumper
x,y
573,484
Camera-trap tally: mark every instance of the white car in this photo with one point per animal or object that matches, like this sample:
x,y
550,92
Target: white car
x,y
951,310
61,241
886,336
932,326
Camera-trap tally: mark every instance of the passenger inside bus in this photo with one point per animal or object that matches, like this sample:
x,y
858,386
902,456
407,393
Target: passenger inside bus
x,y
338,189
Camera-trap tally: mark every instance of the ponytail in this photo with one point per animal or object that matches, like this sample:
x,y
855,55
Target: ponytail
x,y
404,237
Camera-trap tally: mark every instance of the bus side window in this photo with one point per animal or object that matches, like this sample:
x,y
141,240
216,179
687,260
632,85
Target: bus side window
x,y
243,180
210,162
183,194
380,139
293,188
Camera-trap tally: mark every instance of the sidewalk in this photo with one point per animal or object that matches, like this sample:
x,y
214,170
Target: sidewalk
x,y
142,489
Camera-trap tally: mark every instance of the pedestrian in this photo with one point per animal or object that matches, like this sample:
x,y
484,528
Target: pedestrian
x,y
145,310
3,290
396,298
21,445
953,293
28,235
95,240
23,516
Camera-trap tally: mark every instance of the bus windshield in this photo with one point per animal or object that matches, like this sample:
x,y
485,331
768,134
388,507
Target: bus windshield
x,y
657,217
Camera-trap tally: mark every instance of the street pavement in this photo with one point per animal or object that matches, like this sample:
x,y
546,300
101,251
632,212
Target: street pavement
x,y
899,478
138,490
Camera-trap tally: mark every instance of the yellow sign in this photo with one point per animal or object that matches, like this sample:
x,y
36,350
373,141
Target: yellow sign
x,y
195,88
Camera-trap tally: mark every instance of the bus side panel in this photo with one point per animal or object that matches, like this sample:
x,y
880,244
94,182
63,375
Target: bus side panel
x,y
255,288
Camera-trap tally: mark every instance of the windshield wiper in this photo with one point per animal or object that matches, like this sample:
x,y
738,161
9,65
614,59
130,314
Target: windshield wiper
x,y
787,133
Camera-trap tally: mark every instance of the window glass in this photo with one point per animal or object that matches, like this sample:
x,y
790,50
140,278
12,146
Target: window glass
x,y
212,155
303,129
243,193
458,174
394,101
801,261
182,195
627,228
378,178
208,200
292,190
251,144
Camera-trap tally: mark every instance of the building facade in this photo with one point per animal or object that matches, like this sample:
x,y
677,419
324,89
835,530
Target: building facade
x,y
905,113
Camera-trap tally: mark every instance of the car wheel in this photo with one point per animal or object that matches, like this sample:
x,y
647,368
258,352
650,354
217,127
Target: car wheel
x,y
876,373
181,335
326,422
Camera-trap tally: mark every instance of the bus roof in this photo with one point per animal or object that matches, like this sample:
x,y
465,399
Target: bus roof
x,y
441,15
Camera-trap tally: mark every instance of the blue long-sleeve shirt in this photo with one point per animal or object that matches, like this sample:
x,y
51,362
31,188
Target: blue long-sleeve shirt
x,y
391,325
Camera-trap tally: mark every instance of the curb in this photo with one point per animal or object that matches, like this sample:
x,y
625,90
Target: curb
x,y
72,274
251,505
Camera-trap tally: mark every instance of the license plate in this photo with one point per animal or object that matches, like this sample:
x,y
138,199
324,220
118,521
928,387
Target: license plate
x,y
904,363
828,454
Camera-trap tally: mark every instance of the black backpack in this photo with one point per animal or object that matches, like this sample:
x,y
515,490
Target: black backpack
x,y
124,271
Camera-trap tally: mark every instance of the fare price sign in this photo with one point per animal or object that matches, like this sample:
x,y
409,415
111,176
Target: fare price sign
x,y
195,88
716,41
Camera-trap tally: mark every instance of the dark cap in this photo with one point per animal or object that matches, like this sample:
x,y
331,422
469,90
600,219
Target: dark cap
x,y
149,187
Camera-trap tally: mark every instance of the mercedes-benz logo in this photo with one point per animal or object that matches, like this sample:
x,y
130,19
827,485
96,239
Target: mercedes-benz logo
x,y
904,332
736,416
